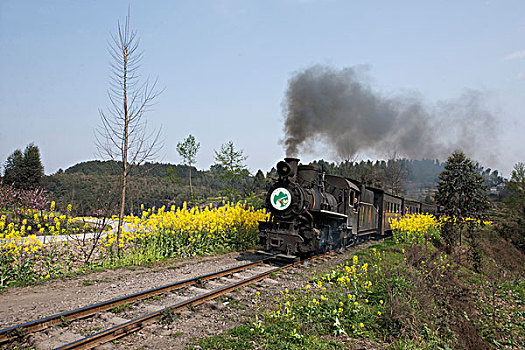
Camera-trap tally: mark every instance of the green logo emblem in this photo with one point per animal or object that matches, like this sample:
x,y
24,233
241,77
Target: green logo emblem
x,y
281,198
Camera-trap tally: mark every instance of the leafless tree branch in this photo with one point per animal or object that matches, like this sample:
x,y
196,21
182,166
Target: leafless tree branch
x,y
123,133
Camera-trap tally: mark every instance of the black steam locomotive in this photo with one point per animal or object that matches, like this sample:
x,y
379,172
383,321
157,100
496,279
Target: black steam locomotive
x,y
312,212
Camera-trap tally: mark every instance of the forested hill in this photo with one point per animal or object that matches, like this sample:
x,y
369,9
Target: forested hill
x,y
108,167
92,185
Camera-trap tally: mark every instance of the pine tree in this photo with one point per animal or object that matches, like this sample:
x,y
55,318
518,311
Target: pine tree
x,y
461,190
24,170
462,193
259,181
33,167
13,169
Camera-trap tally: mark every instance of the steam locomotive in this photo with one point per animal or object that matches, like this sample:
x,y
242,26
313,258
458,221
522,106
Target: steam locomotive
x,y
312,212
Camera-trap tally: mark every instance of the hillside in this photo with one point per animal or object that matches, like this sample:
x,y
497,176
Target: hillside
x,y
88,186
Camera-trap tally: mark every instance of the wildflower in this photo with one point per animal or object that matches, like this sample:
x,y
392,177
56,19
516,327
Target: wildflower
x,y
361,325
379,313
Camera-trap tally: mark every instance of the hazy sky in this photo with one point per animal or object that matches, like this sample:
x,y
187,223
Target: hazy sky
x,y
225,67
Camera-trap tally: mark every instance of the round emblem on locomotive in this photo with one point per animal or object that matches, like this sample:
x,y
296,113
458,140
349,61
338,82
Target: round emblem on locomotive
x,y
281,198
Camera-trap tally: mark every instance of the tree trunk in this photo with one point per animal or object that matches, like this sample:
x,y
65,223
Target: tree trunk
x,y
191,188
121,214
124,153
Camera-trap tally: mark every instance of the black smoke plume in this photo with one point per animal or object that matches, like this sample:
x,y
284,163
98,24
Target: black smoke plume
x,y
340,109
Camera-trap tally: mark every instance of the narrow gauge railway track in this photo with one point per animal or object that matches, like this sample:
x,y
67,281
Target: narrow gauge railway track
x,y
12,333
138,323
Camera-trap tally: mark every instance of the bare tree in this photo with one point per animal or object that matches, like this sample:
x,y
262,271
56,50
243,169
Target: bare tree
x,y
395,174
123,135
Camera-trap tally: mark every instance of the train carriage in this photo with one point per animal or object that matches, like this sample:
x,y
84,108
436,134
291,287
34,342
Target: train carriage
x,y
411,207
430,209
392,209
368,213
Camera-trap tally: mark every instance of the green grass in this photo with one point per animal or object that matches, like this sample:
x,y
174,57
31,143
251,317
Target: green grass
x,y
278,335
120,308
430,301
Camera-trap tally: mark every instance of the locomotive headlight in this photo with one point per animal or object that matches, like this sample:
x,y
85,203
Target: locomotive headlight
x,y
281,198
283,168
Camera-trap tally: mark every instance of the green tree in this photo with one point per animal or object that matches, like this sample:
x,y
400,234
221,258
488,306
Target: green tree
x,y
515,189
461,192
13,169
187,150
259,181
24,170
233,169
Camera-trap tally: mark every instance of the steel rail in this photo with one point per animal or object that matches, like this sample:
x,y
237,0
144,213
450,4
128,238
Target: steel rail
x,y
134,325
138,323
13,332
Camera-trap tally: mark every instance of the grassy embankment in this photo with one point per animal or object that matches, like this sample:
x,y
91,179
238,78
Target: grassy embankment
x,y
407,294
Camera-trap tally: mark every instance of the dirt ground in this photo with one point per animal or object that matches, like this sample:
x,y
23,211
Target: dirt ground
x,y
22,304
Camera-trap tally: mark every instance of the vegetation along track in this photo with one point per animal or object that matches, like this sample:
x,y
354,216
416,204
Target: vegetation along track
x,y
185,298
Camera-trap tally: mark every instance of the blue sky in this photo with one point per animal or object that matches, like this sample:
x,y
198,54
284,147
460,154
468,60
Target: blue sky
x,y
225,67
